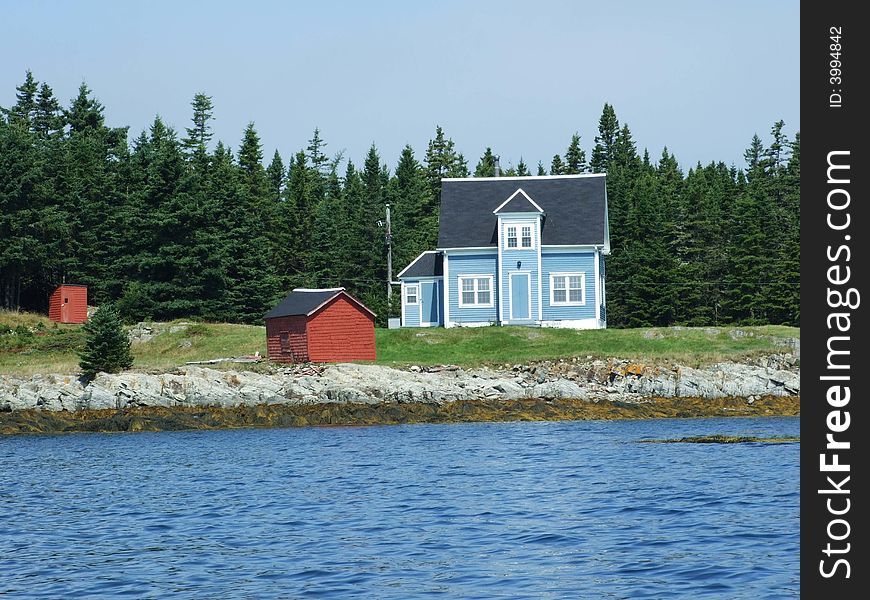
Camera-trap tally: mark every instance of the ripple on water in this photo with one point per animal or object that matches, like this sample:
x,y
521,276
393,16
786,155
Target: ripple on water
x,y
496,510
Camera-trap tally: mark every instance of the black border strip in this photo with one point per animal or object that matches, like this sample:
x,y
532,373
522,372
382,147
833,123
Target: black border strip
x,y
833,262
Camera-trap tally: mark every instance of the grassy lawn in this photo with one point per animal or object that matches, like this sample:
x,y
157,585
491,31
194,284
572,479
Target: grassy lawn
x,y
467,346
51,348
31,344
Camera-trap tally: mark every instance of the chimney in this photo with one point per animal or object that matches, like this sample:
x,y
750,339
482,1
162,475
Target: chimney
x,y
497,168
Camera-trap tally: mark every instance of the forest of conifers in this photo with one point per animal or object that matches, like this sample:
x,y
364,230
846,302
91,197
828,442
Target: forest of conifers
x,y
169,225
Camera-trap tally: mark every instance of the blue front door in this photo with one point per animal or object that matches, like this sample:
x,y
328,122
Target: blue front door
x,y
429,303
520,309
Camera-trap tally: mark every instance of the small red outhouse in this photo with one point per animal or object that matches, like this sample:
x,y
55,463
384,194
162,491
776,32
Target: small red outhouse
x,y
69,304
320,325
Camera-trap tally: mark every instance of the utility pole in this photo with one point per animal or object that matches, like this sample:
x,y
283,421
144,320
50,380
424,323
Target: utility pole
x,y
389,241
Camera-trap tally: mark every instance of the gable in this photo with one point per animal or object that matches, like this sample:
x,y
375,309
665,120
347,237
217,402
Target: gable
x,y
575,209
518,202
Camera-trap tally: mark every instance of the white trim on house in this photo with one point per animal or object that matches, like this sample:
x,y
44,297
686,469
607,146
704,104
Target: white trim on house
x,y
469,248
406,288
597,281
413,262
519,191
500,272
528,275
577,176
475,278
553,248
540,277
337,289
567,276
446,292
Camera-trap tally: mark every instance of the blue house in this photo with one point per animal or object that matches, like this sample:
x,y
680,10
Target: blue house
x,y
513,251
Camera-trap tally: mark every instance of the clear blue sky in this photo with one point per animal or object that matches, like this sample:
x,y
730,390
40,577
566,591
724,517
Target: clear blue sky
x,y
699,77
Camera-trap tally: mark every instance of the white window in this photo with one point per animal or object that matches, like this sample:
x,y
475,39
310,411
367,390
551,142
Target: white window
x,y
475,291
519,236
527,236
411,294
567,289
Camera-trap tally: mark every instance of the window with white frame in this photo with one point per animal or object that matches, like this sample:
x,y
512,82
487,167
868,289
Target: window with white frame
x,y
475,291
412,293
519,236
567,289
526,240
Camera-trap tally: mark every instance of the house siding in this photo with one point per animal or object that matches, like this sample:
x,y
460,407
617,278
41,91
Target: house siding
x,y
568,262
519,261
472,264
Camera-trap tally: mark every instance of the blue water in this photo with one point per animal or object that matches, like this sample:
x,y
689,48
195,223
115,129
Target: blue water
x,y
497,510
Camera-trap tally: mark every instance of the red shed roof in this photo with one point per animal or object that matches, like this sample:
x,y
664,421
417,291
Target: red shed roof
x,y
306,302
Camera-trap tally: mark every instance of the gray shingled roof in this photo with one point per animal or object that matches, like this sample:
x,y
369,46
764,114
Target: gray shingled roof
x,y
428,264
574,208
306,301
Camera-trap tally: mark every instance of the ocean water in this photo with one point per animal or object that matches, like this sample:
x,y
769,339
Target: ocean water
x,y
490,510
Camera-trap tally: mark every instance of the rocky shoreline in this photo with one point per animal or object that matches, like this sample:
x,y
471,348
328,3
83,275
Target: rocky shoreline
x,y
607,382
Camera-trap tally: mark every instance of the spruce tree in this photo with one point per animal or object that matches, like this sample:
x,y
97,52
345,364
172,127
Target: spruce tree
x,y
575,157
602,153
486,165
24,109
107,346
522,169
199,135
557,167
47,120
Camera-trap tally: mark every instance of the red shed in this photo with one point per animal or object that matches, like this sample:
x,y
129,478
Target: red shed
x,y
326,325
69,304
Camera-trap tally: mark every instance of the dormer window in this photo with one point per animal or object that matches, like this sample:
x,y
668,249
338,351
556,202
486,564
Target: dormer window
x,y
519,236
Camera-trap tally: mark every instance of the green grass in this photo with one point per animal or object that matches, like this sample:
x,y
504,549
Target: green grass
x,y
476,346
51,348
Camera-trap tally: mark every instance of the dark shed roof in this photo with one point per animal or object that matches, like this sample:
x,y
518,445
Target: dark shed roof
x,y
428,264
575,209
306,301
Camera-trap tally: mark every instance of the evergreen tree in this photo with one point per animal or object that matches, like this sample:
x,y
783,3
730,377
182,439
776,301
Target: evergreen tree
x,y
541,170
24,109
107,346
602,153
199,135
47,120
275,176
85,113
557,167
575,157
486,166
522,169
